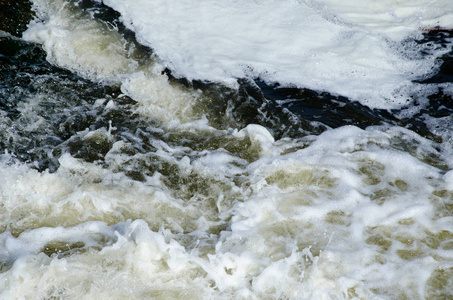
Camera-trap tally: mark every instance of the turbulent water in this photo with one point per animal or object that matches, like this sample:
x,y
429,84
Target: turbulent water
x,y
230,149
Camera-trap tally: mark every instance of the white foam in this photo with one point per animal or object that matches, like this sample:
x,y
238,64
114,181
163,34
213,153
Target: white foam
x,y
327,183
75,41
449,180
349,47
348,213
395,19
99,55
259,137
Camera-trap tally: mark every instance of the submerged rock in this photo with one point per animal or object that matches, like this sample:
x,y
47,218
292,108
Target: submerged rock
x,y
15,16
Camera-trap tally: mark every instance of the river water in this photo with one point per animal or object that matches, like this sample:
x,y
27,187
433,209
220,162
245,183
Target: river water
x,y
230,149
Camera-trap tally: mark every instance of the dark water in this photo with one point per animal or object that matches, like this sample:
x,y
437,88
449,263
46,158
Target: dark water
x,y
209,195
63,103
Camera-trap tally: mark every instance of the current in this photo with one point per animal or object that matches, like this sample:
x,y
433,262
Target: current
x,y
236,149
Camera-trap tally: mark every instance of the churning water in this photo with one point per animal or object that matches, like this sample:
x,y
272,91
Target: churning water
x,y
228,150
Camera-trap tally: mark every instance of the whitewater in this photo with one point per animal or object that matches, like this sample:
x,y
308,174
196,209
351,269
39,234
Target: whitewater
x,y
158,150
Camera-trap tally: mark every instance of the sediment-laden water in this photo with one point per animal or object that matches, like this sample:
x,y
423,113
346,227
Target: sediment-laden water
x,y
228,150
